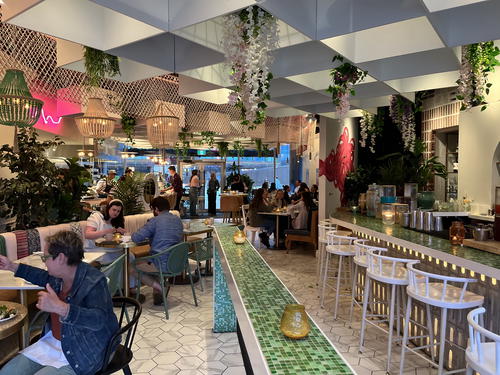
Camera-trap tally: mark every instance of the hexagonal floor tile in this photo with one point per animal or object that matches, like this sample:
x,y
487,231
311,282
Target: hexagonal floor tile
x,y
188,363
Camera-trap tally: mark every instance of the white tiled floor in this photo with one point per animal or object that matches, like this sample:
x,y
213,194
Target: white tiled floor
x,y
185,344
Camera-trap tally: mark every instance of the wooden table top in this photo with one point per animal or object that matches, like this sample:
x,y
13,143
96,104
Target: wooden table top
x,y
11,326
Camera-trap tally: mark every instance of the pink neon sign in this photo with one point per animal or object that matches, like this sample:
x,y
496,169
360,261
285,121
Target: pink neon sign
x,y
52,111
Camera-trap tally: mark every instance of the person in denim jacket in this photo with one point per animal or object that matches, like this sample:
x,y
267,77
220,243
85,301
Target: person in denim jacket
x,y
81,321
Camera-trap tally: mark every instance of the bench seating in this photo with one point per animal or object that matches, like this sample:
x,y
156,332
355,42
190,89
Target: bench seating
x,y
309,235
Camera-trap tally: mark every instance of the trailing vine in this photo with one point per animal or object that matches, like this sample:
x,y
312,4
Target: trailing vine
x,y
478,60
371,126
344,77
183,145
239,148
402,113
249,37
98,64
128,127
223,148
207,138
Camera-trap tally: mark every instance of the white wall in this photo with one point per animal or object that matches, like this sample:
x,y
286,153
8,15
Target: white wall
x,y
330,131
478,143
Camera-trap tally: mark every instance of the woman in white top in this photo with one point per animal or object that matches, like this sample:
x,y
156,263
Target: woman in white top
x,y
194,190
300,211
100,225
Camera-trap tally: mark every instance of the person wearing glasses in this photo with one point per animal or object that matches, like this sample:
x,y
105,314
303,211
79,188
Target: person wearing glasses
x,y
81,320
163,231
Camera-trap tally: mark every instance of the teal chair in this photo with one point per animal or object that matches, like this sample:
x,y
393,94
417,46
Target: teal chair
x,y
177,264
203,250
114,274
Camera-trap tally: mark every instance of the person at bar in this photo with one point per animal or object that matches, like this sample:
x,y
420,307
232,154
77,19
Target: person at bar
x,y
194,191
238,184
128,173
300,211
257,205
213,187
175,185
105,184
163,231
81,321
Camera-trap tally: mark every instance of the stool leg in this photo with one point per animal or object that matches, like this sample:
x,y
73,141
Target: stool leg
x,y
398,310
366,297
430,329
442,339
406,332
354,293
337,291
391,325
325,275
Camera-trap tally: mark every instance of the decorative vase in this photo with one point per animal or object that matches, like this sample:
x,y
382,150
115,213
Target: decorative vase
x,y
294,322
239,237
425,200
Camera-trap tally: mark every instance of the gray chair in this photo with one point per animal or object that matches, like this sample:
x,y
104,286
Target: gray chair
x,y
203,251
114,274
177,264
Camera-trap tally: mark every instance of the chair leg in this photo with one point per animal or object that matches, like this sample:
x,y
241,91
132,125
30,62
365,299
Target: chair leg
x,y
126,370
253,237
354,293
192,286
406,333
202,285
430,329
391,326
337,290
442,339
163,296
323,284
366,297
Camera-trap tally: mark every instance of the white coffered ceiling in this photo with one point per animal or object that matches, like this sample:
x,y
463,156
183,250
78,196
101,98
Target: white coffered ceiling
x,y
405,45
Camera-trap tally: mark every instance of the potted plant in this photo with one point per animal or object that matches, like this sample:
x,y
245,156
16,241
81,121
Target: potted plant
x,y
98,64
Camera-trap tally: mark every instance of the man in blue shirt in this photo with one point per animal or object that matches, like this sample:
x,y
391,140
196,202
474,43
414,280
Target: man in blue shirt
x,y
163,231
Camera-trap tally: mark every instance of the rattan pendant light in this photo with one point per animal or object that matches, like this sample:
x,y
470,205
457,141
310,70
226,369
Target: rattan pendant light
x,y
95,123
17,106
163,127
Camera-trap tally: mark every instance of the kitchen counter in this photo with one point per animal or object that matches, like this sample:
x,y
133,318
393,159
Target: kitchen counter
x,y
246,290
462,256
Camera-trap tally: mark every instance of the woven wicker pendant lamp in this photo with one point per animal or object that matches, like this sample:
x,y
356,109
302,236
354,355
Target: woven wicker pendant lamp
x,y
163,127
95,123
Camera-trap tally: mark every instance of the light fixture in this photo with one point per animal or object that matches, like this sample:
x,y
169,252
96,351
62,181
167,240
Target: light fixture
x,y
163,127
128,154
17,106
95,122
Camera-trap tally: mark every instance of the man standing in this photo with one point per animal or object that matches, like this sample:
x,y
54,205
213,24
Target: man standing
x,y
163,231
213,187
175,184
297,186
105,185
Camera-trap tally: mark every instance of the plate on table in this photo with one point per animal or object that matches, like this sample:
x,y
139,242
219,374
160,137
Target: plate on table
x,y
104,242
7,313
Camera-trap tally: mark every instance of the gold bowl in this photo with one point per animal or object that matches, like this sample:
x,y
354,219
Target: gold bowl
x,y
294,322
239,237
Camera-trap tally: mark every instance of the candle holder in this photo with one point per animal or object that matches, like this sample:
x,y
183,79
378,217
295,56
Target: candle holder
x,y
457,233
239,237
294,322
388,214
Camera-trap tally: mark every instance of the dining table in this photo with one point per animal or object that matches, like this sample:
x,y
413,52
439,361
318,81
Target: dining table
x,y
278,214
9,282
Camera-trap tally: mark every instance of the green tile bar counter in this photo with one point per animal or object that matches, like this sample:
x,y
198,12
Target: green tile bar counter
x,y
438,256
259,298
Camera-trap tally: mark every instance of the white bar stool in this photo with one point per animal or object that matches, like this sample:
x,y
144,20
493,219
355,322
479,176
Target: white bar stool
x,y
324,227
482,357
343,247
390,271
248,228
360,260
439,293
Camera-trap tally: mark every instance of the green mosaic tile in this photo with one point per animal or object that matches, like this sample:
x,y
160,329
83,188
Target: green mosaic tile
x,y
436,243
265,298
224,315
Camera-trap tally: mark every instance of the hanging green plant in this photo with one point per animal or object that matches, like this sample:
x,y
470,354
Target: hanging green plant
x,y
128,127
402,113
207,138
239,148
258,146
478,60
98,64
344,77
183,145
223,148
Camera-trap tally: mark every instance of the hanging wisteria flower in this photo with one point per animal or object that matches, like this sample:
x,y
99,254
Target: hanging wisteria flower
x,y
402,113
478,60
249,37
344,77
370,127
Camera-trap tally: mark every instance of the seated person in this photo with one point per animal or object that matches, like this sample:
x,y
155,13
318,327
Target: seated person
x,y
315,192
279,199
286,194
259,204
104,224
163,231
238,184
81,320
296,197
300,211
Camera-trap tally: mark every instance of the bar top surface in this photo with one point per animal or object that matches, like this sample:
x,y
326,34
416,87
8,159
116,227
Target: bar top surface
x,y
264,298
471,256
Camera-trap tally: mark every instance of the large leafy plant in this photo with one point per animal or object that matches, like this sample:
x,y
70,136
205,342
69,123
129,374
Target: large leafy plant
x,y
130,191
128,127
223,148
98,64
344,77
478,60
356,182
31,195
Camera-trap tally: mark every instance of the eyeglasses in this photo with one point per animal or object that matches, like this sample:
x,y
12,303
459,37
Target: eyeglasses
x,y
45,257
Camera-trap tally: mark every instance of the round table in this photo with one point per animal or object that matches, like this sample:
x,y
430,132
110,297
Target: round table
x,y
14,325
